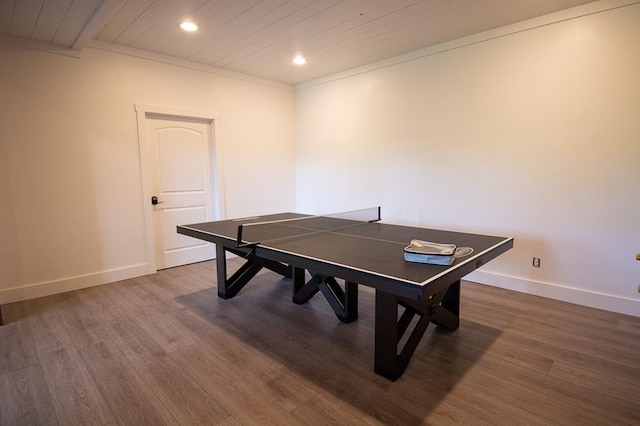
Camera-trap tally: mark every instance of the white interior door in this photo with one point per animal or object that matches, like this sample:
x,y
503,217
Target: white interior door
x,y
182,182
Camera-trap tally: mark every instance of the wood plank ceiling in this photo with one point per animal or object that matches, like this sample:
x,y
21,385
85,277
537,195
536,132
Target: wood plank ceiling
x,y
260,37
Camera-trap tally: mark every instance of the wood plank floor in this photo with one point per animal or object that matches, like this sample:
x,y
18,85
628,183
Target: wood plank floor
x,y
164,349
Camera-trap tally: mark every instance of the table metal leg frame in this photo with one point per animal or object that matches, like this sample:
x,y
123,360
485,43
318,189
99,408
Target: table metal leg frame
x,y
442,308
344,302
229,287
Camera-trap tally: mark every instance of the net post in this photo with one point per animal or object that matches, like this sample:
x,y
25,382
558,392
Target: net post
x,y
239,243
239,236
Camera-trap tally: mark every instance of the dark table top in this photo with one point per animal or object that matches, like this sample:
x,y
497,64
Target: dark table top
x,y
370,249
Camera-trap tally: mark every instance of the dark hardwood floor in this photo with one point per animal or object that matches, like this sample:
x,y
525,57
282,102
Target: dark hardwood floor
x,y
164,349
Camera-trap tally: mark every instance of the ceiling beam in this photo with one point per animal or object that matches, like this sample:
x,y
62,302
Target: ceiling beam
x,y
97,21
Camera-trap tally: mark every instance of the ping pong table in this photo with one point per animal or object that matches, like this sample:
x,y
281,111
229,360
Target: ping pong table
x,y
359,252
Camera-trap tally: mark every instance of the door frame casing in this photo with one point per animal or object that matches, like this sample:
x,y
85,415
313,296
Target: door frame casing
x,y
147,111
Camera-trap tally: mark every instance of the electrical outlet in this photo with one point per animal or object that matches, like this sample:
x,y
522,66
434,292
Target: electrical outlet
x,y
536,262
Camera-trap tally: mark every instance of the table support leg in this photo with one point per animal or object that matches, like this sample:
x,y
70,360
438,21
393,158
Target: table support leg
x,y
386,336
442,308
229,287
344,302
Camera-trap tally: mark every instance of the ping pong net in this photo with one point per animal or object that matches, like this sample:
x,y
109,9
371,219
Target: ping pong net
x,y
300,226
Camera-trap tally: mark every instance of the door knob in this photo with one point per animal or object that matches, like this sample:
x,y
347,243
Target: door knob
x,y
154,200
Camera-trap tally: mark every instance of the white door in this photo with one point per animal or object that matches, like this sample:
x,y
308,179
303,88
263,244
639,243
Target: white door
x,y
182,184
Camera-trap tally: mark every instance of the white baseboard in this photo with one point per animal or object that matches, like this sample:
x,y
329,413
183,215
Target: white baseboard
x,y
41,289
592,299
607,302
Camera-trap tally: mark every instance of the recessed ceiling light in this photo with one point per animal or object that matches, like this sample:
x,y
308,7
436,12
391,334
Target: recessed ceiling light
x,y
188,26
299,60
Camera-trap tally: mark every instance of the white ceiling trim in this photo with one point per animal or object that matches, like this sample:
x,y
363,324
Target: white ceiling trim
x,y
31,44
183,63
531,24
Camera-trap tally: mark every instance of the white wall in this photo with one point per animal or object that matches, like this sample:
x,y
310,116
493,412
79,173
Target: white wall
x,y
530,131
71,206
